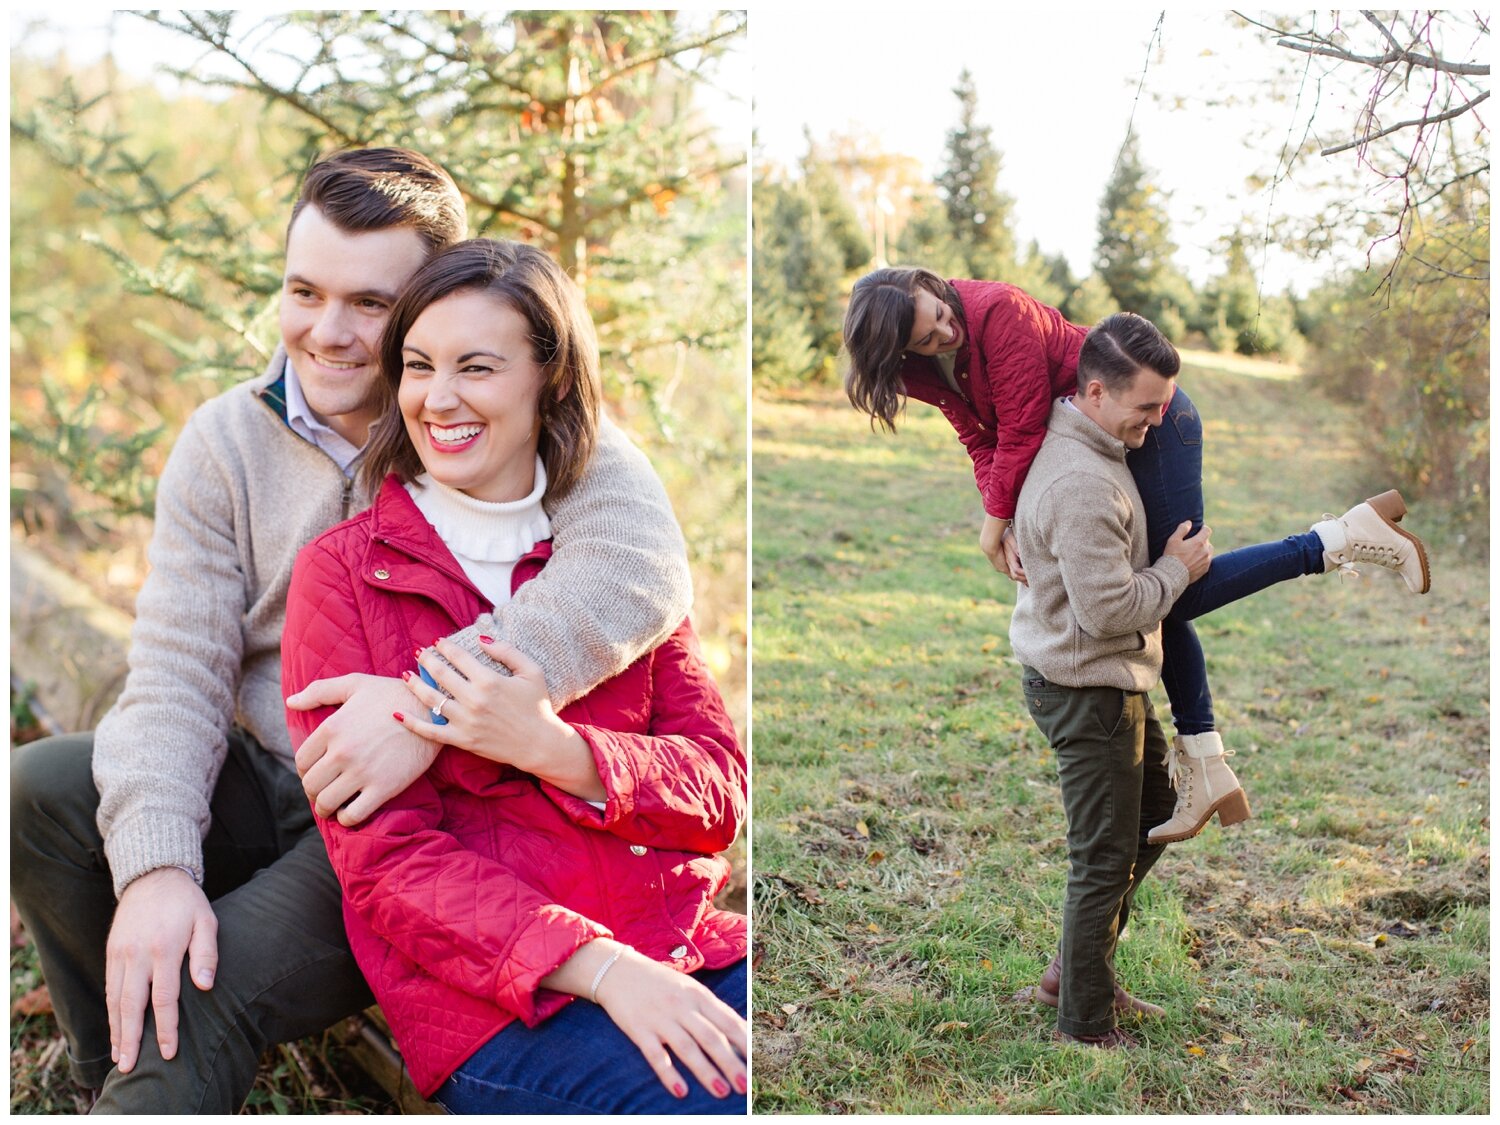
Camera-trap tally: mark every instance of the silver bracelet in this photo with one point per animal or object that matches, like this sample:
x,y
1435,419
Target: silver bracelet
x,y
599,976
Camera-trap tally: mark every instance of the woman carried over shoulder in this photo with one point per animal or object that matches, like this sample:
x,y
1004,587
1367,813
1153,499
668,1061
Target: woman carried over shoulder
x,y
535,913
993,359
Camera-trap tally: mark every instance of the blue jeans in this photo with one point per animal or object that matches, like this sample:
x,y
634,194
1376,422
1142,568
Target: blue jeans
x,y
579,1062
1168,471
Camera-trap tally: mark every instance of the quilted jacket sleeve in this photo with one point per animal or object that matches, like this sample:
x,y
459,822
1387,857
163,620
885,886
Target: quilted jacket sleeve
x,y
470,921
681,785
1022,364
617,583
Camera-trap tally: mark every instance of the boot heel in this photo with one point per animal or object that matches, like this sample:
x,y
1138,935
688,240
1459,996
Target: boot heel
x,y
1389,504
1236,807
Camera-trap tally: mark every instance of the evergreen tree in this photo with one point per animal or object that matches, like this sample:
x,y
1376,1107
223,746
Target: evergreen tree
x,y
572,130
1231,302
979,214
781,337
1135,248
799,270
927,240
1038,275
1090,301
839,219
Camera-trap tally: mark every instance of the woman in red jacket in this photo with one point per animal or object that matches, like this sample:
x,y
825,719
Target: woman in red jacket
x,y
993,359
535,913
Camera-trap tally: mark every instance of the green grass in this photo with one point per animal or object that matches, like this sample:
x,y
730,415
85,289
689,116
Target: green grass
x,y
1329,956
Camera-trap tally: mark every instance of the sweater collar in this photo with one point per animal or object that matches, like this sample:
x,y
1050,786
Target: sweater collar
x,y
1068,421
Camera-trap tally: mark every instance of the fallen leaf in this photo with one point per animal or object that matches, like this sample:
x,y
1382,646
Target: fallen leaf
x,y
790,1009
1363,1065
37,1002
986,964
950,1025
874,857
863,829
1232,1040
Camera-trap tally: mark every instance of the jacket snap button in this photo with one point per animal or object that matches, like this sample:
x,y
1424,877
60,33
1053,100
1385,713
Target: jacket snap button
x,y
679,951
639,849
382,574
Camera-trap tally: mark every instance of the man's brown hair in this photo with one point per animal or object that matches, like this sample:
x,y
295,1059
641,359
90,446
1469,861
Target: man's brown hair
x,y
365,189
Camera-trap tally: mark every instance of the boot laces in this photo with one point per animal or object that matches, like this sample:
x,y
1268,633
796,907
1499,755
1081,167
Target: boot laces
x,y
1363,550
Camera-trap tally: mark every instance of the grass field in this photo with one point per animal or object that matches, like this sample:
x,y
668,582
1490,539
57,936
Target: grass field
x,y
1329,956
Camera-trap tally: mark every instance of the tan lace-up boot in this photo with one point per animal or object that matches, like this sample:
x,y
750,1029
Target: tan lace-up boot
x,y
1368,533
1205,785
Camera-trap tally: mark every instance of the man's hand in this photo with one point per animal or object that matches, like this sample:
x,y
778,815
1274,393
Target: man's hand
x,y
358,752
161,916
1196,553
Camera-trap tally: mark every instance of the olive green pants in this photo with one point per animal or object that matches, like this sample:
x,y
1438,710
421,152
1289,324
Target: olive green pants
x,y
1111,762
284,971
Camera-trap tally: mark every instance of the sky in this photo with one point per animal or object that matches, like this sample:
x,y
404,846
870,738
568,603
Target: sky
x,y
1057,86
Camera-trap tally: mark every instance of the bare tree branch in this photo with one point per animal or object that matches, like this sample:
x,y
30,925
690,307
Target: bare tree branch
x,y
1343,54
1431,120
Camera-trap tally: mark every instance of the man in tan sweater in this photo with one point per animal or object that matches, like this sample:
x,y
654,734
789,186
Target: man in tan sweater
x,y
168,998
1087,631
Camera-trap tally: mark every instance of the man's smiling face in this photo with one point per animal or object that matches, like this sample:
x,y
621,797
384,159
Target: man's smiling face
x,y
337,292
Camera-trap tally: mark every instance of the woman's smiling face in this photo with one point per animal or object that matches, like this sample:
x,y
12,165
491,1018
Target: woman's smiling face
x,y
934,329
470,386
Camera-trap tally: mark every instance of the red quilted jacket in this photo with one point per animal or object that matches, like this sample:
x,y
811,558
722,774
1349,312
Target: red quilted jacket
x,y
462,893
1017,356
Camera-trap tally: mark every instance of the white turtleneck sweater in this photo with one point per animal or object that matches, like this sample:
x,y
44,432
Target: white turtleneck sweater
x,y
487,538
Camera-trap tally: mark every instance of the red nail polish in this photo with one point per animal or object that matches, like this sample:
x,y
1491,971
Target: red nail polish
x,y
398,716
741,1083
680,1090
721,1088
417,652
486,640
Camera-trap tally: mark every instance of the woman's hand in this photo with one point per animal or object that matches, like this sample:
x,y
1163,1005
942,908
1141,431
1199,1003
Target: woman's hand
x,y
997,539
661,1010
507,719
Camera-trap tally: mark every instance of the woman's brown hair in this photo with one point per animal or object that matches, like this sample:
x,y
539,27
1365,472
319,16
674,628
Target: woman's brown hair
x,y
563,343
877,327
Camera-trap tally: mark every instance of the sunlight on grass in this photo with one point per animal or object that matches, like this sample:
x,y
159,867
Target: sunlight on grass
x,y
909,846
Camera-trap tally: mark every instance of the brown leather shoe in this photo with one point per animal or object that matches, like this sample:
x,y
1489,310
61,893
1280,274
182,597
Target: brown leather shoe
x,y
1112,1040
1125,1004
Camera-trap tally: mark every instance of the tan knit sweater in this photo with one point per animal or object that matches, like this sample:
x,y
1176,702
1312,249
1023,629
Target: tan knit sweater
x,y
240,495
1091,616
